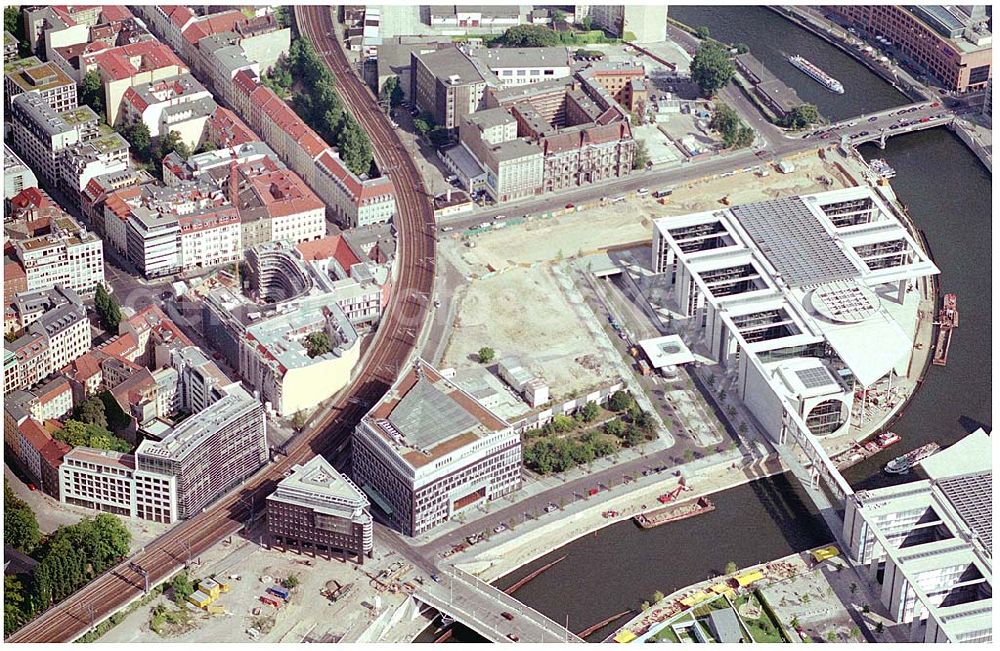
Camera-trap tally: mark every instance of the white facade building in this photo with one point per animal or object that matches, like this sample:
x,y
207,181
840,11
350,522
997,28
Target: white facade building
x,y
69,256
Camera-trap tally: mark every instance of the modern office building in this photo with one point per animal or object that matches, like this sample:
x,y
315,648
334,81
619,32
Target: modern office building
x,y
928,544
210,452
952,43
522,66
16,175
41,135
31,75
429,451
108,481
802,300
316,509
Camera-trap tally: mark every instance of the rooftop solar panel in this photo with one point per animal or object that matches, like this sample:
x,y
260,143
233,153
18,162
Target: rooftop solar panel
x,y
794,241
813,378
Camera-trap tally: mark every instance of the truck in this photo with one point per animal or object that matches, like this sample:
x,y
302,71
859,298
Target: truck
x,y
279,591
663,193
270,601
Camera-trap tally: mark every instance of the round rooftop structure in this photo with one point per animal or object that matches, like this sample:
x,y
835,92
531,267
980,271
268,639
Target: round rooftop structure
x,y
277,273
845,301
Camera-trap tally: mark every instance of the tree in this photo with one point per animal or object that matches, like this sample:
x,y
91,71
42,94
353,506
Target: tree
x,y
728,123
138,139
12,19
620,401
107,309
91,92
291,581
633,436
853,588
298,420
641,157
701,32
172,142
590,411
802,116
355,149
182,587
558,16
392,92
15,611
91,412
855,631
689,455
486,355
831,636
318,343
658,597
529,36
742,48
20,527
730,568
587,23
879,627
711,68
78,434
282,16
645,606
614,427
424,123
206,146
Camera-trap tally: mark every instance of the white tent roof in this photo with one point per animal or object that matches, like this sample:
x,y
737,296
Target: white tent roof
x,y
666,351
870,348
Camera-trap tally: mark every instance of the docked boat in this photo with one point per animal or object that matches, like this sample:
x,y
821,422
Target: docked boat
x,y
674,513
881,169
947,321
861,451
902,464
810,69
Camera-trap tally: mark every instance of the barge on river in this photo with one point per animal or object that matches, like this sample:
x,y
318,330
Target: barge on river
x,y
673,513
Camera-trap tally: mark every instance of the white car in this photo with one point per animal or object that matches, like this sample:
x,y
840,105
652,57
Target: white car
x,y
500,528
550,508
642,192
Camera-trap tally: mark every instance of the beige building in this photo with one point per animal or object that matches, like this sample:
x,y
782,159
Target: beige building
x,y
123,67
447,85
514,166
69,256
54,85
648,23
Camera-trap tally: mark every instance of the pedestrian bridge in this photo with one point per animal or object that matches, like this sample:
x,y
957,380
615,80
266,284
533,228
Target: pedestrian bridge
x,y
479,606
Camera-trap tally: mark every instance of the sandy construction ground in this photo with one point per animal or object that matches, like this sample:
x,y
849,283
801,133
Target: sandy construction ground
x,y
600,227
534,314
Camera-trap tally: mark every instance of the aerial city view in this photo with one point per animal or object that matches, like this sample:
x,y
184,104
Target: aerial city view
x,y
497,323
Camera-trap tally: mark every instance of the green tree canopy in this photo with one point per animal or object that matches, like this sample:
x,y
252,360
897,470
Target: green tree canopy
x,y
107,307
802,116
620,401
486,355
139,140
20,527
529,36
79,434
91,92
15,610
91,412
318,343
735,133
172,142
742,48
641,157
392,92
590,411
701,32
182,587
711,68
355,148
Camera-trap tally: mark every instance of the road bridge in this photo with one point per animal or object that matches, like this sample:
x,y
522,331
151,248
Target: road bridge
x,y
479,606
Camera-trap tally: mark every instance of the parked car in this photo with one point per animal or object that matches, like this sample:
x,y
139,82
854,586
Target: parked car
x,y
435,578
507,615
550,508
500,528
873,118
512,637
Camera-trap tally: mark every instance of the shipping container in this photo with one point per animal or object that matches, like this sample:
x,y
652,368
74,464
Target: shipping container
x,y
200,599
279,591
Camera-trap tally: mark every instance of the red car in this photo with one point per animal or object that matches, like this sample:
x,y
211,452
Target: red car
x,y
569,206
925,119
32,487
506,615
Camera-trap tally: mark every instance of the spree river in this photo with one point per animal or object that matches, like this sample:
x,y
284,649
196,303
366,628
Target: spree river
x,y
947,192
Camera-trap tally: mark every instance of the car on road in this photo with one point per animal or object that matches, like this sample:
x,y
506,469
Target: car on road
x,y
512,637
506,615
618,198
925,120
641,192
500,528
499,217
570,206
550,508
32,487
447,229
435,578
873,118
935,104
863,133
825,136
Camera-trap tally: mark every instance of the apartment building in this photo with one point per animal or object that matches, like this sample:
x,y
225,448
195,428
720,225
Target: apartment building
x,y
98,189
514,166
353,201
105,154
69,256
428,452
316,509
131,65
951,43
56,333
41,135
447,85
16,175
48,80
10,47
210,452
647,23
32,448
157,104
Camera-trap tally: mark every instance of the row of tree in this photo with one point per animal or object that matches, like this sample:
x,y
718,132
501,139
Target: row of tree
x,y
319,105
67,559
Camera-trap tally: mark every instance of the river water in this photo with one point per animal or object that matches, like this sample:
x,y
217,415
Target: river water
x,y
948,193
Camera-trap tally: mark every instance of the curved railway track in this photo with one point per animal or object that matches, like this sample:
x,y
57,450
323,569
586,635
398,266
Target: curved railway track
x,y
391,349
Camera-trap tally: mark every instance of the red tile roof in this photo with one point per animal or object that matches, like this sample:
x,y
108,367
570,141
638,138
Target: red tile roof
x,y
245,82
114,13
125,61
284,193
334,246
362,191
179,15
84,367
213,24
226,129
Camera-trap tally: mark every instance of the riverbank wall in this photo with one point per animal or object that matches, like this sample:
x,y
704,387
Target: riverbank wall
x,y
971,140
716,476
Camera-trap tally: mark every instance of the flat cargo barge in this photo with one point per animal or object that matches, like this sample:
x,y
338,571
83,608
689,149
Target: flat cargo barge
x,y
947,321
673,513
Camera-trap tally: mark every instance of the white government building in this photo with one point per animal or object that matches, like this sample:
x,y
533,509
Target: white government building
x,y
803,299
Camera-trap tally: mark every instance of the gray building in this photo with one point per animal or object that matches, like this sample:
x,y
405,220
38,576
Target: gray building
x,y
446,84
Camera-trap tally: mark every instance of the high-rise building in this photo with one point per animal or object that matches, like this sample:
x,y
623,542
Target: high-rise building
x,y
428,451
319,510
